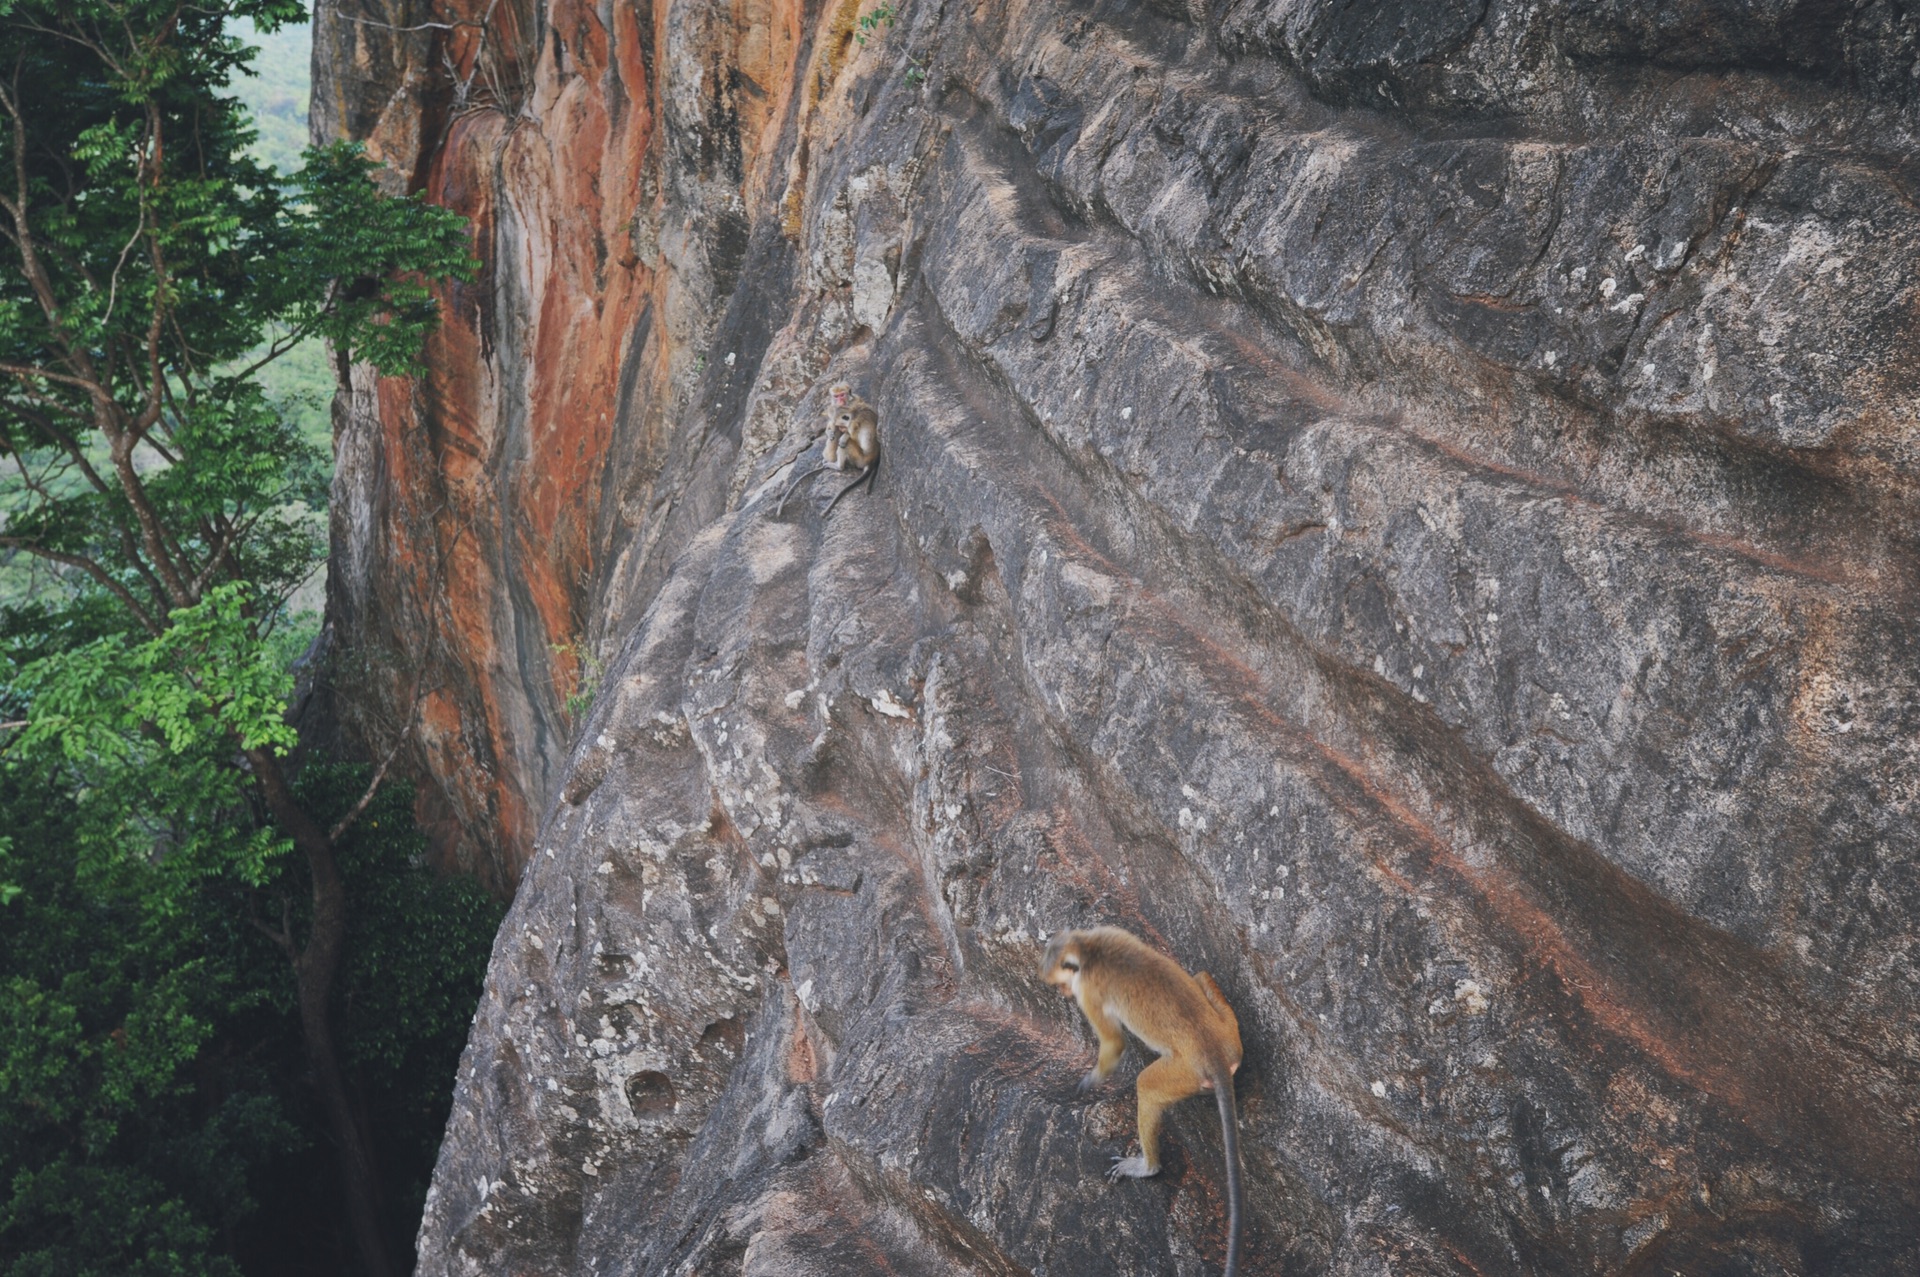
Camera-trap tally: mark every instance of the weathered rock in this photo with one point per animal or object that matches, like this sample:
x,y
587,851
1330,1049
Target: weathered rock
x,y
1409,506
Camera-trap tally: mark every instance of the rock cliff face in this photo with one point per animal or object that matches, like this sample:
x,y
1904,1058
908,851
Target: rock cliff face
x,y
1409,506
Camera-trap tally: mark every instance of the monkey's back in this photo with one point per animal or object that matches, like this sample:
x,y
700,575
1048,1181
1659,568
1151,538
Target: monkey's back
x,y
1157,1000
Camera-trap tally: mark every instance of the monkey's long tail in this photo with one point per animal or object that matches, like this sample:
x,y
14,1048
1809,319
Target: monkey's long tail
x,y
1230,1138
866,476
778,509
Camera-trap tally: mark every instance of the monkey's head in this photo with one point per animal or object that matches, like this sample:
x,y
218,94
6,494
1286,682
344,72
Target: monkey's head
x,y
1061,962
838,392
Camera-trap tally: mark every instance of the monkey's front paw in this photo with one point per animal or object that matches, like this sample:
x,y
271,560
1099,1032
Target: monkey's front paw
x,y
1130,1168
1091,1080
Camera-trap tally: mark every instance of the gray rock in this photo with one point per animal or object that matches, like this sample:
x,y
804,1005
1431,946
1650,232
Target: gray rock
x,y
1410,507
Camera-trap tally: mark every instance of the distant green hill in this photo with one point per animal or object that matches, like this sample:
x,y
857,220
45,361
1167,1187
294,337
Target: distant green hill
x,y
300,384
277,93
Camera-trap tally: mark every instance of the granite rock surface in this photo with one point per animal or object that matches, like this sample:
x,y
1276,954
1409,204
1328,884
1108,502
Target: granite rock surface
x,y
1410,506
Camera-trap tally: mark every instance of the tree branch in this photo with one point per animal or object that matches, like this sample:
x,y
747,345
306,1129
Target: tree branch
x,y
373,787
75,356
113,282
62,440
275,349
380,772
282,938
27,372
100,575
423,26
222,551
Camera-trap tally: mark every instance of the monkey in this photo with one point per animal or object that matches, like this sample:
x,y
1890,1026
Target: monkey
x,y
838,395
853,435
1184,1019
860,444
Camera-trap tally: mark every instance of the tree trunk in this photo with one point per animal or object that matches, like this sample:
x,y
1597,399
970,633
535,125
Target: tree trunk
x,y
315,965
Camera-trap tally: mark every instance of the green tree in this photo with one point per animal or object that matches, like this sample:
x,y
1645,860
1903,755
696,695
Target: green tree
x,y
153,1115
114,1160
150,255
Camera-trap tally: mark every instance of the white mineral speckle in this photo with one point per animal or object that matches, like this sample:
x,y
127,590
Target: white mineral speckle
x,y
883,702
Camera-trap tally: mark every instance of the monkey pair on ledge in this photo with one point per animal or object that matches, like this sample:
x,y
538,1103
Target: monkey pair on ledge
x,y
853,437
1120,983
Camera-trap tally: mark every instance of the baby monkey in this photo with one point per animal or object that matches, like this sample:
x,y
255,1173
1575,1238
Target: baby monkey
x,y
1184,1019
853,436
840,397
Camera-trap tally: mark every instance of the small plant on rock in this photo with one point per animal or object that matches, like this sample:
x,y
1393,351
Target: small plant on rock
x,y
871,21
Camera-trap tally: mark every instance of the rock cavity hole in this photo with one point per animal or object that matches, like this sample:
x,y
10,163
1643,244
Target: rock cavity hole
x,y
651,1094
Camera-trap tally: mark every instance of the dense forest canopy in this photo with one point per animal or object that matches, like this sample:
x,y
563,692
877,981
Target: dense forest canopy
x,y
223,972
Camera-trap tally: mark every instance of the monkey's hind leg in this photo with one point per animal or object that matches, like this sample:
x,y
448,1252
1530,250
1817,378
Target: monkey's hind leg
x,y
866,476
1165,1081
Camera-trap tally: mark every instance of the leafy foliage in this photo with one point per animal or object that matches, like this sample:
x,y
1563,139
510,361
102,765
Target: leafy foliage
x,y
152,1101
118,711
154,254
155,1064
112,1159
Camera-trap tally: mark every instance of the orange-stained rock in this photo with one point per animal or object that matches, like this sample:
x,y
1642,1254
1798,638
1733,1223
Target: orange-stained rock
x,y
471,498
